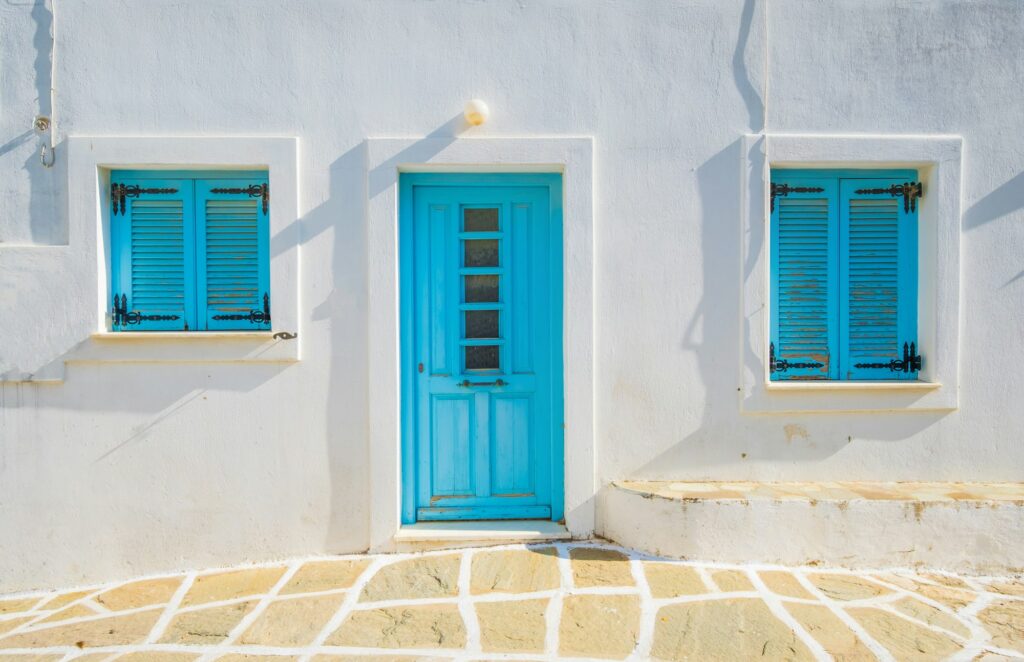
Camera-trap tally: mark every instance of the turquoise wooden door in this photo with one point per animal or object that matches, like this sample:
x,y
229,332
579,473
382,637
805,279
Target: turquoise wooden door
x,y
482,355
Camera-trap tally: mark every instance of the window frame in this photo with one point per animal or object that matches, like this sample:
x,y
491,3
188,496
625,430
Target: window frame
x,y
938,159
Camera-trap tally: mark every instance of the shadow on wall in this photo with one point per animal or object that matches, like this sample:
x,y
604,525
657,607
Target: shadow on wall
x,y
1006,199
723,439
47,223
339,320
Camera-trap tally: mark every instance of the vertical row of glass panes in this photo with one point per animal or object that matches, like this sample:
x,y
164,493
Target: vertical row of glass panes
x,y
482,273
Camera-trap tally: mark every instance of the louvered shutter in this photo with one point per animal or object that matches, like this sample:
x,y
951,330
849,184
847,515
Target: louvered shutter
x,y
153,261
233,233
804,264
878,279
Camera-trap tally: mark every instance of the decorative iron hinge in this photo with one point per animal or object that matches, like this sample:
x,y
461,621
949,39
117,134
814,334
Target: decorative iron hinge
x,y
782,365
253,191
120,192
786,189
253,316
124,317
911,361
910,191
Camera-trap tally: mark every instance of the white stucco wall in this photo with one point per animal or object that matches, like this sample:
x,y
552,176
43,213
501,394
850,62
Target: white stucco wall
x,y
124,468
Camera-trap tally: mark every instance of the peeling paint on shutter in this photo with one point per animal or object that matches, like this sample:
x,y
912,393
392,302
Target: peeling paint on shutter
x,y
234,250
804,266
878,280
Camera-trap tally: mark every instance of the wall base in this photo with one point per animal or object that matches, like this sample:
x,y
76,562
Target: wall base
x,y
968,528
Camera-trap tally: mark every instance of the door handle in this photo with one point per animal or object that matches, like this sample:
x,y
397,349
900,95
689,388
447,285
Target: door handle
x,y
465,383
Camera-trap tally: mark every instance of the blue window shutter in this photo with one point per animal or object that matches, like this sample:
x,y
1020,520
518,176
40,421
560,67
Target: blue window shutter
x,y
152,259
804,274
233,239
878,280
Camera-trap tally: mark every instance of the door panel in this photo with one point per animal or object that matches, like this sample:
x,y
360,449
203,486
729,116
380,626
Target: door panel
x,y
485,351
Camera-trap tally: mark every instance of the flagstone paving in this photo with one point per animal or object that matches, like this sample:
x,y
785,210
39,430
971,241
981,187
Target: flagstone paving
x,y
548,601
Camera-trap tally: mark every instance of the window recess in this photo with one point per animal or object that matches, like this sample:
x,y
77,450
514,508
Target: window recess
x,y
844,275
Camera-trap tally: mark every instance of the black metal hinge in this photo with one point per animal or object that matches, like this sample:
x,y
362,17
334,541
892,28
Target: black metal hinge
x,y
124,317
120,192
253,316
911,361
253,191
910,191
786,189
783,365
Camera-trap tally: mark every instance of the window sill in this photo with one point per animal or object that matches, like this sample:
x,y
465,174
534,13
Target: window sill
x,y
812,385
186,347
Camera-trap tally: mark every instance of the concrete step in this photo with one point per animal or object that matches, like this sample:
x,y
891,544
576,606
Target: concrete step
x,y
974,528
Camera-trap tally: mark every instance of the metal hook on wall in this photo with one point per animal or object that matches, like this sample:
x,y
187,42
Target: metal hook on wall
x,y
42,126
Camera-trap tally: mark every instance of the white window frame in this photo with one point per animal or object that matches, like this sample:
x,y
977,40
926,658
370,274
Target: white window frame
x,y
90,162
938,159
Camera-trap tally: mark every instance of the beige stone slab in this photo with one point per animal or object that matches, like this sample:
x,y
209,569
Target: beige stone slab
x,y
420,577
726,630
1009,587
671,580
1004,620
30,657
604,626
905,640
205,626
951,581
847,587
62,600
140,594
18,605
294,622
11,623
95,657
953,598
826,628
107,631
421,626
784,583
513,626
515,571
157,656
328,575
594,566
932,616
74,611
732,580
231,585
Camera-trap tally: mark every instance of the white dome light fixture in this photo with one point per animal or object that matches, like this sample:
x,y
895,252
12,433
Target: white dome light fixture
x,y
476,112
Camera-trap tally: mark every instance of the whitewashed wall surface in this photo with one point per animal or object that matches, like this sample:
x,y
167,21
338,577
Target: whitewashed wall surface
x,y
119,458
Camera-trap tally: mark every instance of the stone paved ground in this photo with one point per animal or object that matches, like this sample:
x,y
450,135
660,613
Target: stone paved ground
x,y
572,600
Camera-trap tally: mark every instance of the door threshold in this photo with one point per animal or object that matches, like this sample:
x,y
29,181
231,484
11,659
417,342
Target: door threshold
x,y
441,535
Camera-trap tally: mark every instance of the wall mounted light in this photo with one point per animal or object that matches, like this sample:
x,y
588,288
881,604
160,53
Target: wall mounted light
x,y
476,112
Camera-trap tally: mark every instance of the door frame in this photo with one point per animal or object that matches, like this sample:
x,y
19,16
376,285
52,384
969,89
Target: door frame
x,y
385,159
408,181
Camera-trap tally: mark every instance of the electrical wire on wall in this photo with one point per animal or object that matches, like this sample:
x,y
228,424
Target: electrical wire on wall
x,y
44,124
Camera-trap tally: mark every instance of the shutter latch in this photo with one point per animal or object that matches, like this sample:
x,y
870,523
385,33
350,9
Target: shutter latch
x,y
782,365
910,191
123,317
911,361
